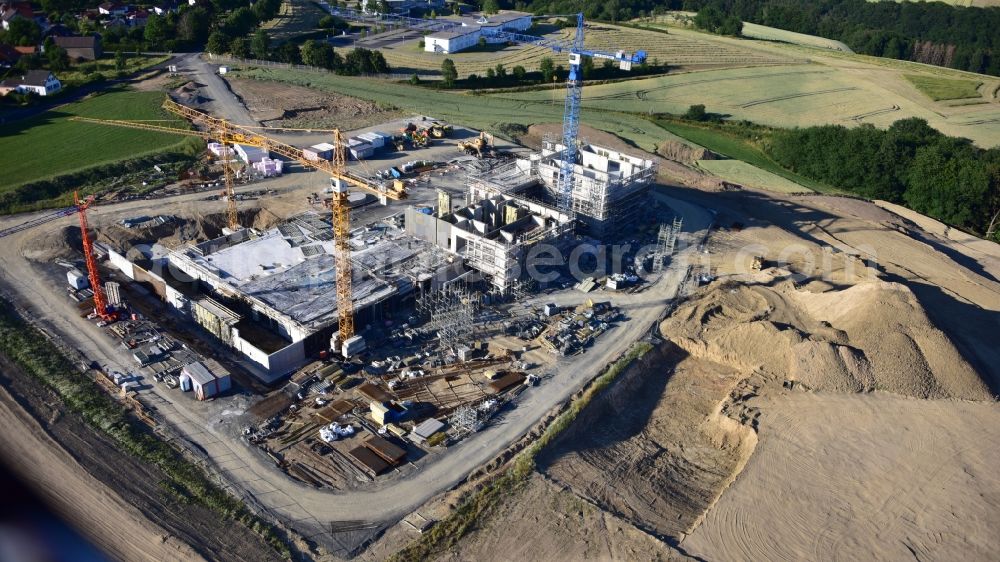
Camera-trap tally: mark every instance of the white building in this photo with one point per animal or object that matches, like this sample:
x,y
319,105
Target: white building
x,y
472,28
41,82
250,154
452,41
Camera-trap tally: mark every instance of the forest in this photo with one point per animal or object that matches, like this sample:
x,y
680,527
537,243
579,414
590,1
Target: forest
x,y
928,32
910,163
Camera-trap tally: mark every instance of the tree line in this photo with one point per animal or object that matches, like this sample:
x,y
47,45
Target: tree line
x,y
909,163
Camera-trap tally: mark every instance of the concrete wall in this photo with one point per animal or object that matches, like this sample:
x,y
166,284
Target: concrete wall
x,y
121,263
271,367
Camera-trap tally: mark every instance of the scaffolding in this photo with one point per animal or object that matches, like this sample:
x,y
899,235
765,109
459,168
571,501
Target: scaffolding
x,y
602,201
666,243
451,311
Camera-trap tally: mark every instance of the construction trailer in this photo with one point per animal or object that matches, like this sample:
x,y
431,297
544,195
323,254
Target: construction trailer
x,y
205,383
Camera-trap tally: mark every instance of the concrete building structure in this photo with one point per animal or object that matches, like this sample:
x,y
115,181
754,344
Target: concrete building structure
x,y
608,188
494,234
271,296
453,41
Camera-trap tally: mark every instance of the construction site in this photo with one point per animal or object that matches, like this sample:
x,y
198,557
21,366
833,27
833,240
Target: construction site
x,y
357,352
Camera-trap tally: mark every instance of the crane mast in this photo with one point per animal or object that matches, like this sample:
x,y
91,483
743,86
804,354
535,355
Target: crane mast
x,y
229,152
100,302
341,219
571,120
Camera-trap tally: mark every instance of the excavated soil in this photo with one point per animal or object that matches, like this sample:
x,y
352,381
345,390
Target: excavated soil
x,y
871,336
862,477
67,245
840,403
282,105
652,450
543,521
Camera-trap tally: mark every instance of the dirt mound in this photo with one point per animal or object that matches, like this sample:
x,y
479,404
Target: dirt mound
x,y
543,521
673,150
175,231
67,244
861,477
870,336
656,449
283,105
189,94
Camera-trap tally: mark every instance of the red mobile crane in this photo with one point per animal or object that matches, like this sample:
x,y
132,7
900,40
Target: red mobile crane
x,y
100,303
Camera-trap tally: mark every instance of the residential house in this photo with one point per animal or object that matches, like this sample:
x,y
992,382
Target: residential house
x,y
12,10
137,17
112,9
41,82
86,48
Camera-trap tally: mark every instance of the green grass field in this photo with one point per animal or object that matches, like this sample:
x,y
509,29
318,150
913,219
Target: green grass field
x,y
51,144
76,76
939,89
738,171
737,148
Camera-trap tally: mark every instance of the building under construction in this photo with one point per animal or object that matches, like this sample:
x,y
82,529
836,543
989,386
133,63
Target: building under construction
x,y
608,186
271,295
494,234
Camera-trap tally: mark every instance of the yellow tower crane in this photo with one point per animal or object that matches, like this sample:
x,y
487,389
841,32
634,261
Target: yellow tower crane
x,y
342,179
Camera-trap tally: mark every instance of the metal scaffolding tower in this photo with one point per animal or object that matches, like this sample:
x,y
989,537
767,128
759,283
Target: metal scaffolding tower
x,y
666,243
451,311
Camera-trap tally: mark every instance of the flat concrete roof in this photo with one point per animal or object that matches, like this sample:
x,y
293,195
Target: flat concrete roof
x,y
291,267
459,32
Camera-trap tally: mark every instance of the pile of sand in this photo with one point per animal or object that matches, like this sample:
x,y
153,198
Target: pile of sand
x,y
673,150
870,336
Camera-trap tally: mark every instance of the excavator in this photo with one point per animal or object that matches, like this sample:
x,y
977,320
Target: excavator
x,y
230,134
480,146
439,130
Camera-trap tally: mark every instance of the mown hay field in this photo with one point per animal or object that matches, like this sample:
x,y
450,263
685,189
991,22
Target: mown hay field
x,y
787,96
480,112
939,89
740,172
670,23
689,50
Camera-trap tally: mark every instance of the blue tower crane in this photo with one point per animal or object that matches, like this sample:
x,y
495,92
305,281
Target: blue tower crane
x,y
574,82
